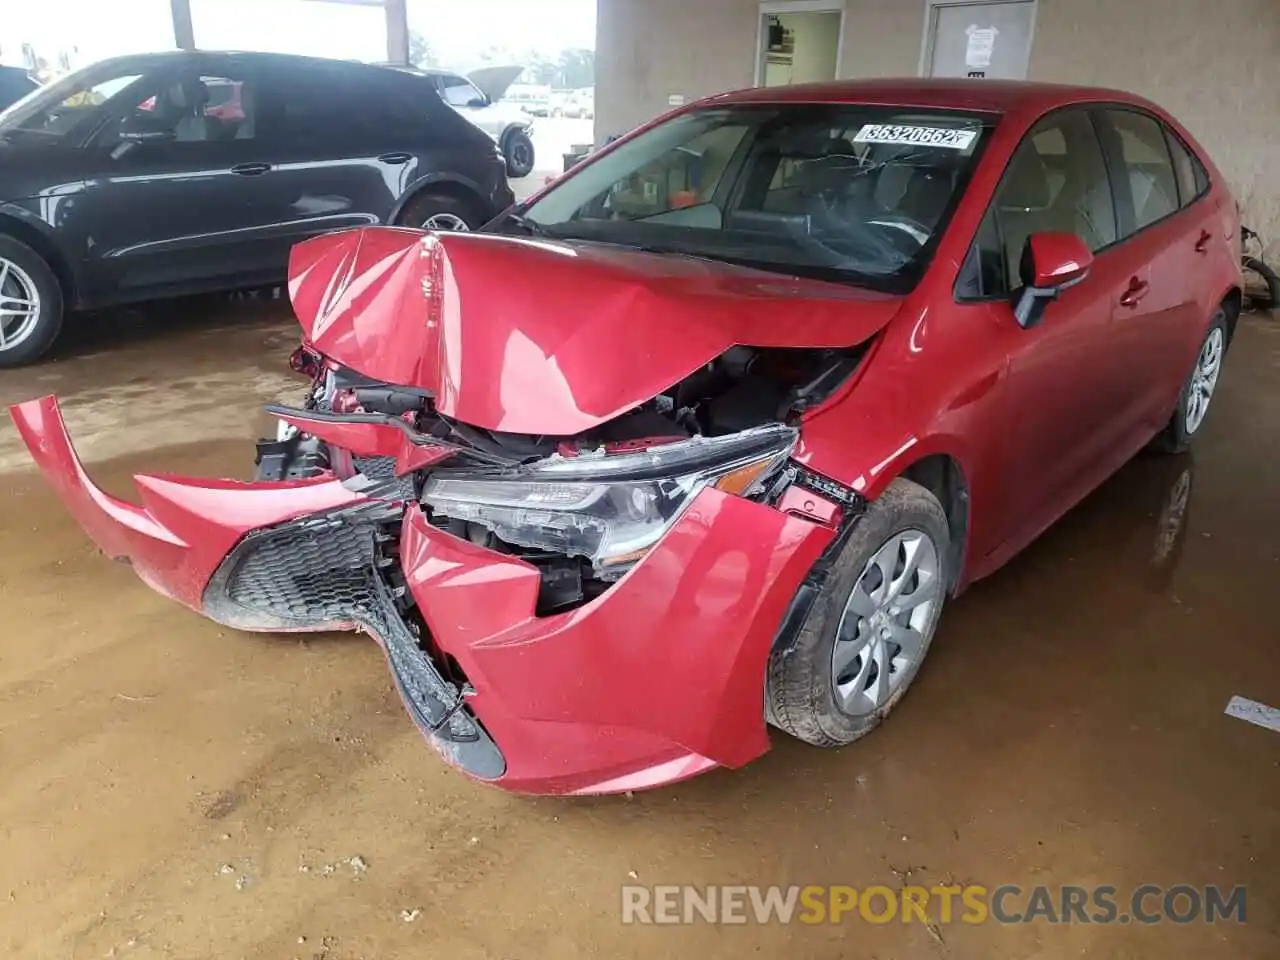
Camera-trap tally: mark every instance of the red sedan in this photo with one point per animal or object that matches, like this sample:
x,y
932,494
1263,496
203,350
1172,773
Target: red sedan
x,y
701,438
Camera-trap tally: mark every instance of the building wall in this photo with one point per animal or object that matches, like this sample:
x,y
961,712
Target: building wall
x,y
1215,64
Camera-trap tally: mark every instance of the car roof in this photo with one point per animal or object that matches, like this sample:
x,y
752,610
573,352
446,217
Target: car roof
x,y
150,60
987,96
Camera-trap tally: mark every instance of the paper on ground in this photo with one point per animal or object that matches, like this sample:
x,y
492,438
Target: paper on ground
x,y
1254,712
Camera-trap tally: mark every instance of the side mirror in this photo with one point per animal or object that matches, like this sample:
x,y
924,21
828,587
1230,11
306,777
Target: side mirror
x,y
144,129
1051,262
478,102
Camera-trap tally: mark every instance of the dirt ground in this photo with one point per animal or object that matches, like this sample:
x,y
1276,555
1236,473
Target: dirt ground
x,y
169,788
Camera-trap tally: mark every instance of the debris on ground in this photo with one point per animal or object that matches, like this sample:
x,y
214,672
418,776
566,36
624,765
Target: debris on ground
x,y
408,916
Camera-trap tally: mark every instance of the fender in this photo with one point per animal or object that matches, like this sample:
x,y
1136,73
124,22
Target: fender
x,y
25,226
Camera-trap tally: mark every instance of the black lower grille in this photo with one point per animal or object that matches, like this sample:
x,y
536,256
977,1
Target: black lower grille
x,y
327,572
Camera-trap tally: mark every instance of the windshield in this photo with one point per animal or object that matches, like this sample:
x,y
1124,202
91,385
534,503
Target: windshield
x,y
839,191
52,111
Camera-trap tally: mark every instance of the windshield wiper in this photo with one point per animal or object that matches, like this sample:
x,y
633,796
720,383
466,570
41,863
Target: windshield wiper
x,y
532,227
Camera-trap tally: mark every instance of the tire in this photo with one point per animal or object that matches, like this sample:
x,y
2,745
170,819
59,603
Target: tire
x,y
517,149
440,211
803,688
1269,278
26,277
1189,414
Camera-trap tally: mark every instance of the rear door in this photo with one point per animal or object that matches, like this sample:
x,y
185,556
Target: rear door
x,y
1158,316
343,142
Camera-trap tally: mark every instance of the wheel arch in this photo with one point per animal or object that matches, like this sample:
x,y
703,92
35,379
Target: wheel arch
x,y
20,228
449,184
943,475
1233,302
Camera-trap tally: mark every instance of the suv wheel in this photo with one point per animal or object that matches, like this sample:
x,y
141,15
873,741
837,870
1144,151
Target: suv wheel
x,y
438,211
30,304
517,148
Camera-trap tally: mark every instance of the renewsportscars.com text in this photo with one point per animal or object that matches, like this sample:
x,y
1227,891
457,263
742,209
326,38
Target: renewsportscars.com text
x,y
972,904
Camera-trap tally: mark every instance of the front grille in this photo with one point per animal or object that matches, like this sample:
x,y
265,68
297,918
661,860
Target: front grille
x,y
310,573
326,572
383,470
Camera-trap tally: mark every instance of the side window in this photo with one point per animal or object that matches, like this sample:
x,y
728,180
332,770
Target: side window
x,y
1153,187
347,105
1192,179
190,108
459,92
1057,180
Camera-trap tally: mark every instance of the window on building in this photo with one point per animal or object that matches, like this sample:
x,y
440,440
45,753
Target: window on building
x,y
1153,186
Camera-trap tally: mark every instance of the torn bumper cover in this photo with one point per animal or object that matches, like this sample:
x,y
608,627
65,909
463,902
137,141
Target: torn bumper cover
x,y
658,679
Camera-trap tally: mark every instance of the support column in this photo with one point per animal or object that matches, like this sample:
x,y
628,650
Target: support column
x,y
397,31
184,34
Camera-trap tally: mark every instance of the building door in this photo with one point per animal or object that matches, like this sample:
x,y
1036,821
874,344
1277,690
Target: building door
x,y
980,39
799,41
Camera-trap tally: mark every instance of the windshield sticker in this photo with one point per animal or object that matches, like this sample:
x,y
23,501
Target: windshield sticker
x,y
897,133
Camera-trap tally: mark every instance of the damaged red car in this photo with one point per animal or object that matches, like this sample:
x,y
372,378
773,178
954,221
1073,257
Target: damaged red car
x,y
701,438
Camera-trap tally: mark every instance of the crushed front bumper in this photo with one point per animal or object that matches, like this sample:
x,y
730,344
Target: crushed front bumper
x,y
658,679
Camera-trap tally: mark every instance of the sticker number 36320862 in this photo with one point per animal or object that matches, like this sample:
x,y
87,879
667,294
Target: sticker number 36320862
x,y
916,136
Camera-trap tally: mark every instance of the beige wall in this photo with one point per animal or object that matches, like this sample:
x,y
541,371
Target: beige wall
x,y
1215,64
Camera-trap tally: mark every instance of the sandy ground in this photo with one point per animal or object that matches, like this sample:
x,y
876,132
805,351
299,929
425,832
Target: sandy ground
x,y
169,788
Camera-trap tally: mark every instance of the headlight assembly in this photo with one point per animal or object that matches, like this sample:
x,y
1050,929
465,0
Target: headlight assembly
x,y
609,509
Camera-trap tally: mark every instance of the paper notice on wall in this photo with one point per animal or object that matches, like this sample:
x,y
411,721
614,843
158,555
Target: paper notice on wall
x,y
676,100
982,42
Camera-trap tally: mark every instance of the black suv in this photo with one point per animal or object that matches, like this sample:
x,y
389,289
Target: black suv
x,y
177,173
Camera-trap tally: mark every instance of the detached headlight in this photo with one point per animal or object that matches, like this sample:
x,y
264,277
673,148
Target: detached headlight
x,y
609,509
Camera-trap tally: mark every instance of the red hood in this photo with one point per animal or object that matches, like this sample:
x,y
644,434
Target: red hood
x,y
539,337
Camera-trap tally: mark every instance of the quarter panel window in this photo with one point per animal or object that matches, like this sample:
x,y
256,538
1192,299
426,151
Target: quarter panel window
x,y
1192,179
1148,168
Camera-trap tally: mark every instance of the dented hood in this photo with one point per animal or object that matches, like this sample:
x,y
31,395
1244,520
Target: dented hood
x,y
542,337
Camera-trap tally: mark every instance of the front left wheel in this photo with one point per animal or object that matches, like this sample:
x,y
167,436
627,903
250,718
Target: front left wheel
x,y
30,304
870,628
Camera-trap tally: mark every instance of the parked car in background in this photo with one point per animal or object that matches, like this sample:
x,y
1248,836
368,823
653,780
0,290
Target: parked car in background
x,y
175,173
576,104
705,435
15,83
533,99
479,97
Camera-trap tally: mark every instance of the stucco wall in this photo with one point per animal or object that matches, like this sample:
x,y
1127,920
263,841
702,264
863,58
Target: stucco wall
x,y
1215,64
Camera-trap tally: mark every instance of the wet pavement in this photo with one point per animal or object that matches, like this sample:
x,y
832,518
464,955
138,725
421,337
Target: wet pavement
x,y
171,788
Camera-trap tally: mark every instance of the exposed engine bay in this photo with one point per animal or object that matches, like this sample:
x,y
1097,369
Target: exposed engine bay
x,y
732,401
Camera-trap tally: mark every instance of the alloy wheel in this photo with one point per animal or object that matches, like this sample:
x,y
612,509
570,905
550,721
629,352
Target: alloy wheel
x,y
446,221
1204,379
19,305
887,624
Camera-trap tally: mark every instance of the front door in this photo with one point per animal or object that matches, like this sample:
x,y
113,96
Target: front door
x,y
177,212
986,40
1064,381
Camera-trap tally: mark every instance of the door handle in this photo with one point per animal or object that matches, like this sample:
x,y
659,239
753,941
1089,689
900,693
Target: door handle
x,y
251,169
1202,245
1137,290
394,158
